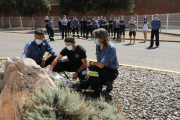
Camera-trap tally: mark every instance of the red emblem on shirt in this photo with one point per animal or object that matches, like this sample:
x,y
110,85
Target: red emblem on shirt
x,y
26,50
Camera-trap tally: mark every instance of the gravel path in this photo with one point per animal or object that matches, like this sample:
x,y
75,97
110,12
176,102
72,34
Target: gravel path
x,y
145,94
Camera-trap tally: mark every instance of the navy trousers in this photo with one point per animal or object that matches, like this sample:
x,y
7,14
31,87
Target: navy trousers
x,y
96,80
66,66
156,33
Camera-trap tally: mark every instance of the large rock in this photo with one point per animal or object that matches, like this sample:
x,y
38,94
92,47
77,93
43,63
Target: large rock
x,y
21,77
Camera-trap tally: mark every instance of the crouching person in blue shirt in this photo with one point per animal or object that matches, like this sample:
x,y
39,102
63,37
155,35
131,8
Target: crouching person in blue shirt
x,y
104,71
77,59
36,49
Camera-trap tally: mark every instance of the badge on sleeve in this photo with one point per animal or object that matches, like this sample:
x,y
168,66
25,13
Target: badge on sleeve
x,y
26,50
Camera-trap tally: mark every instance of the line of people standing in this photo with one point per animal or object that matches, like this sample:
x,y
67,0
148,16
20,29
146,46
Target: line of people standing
x,y
116,26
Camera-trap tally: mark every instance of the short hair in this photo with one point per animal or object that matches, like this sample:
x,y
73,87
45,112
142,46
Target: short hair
x,y
69,39
122,16
102,34
39,31
156,15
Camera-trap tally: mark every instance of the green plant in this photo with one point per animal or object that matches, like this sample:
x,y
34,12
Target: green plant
x,y
63,103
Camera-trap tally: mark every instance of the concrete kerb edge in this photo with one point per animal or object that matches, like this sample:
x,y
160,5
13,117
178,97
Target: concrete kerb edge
x,y
143,67
123,65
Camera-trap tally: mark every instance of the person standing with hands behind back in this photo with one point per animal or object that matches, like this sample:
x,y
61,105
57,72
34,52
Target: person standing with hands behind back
x,y
145,28
156,25
64,26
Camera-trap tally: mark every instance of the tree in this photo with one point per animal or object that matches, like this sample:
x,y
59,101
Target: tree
x,y
77,6
32,8
65,6
105,6
102,6
6,6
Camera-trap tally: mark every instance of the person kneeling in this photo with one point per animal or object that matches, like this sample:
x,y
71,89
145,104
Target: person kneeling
x,y
77,60
104,71
36,49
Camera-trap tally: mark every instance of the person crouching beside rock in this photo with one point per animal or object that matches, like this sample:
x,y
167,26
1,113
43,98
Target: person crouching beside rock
x,y
36,49
104,71
77,59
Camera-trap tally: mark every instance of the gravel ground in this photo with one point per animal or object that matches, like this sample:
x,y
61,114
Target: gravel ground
x,y
145,94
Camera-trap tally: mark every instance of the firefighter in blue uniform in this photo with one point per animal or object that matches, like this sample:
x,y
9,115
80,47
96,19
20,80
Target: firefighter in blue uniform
x,y
75,24
110,27
36,49
105,24
84,27
69,26
101,21
116,28
60,25
89,28
94,24
64,26
51,27
122,27
104,71
47,25
81,23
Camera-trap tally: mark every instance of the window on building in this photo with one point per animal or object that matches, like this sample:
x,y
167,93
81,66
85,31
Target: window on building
x,y
172,2
54,2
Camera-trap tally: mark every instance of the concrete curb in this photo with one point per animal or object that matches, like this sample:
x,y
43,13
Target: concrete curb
x,y
4,58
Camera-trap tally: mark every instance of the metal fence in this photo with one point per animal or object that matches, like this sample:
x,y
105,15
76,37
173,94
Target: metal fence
x,y
169,22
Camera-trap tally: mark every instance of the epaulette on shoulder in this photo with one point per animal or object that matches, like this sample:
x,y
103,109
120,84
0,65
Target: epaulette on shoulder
x,y
109,46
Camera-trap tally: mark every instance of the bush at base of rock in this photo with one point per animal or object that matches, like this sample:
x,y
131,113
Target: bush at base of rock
x,y
63,103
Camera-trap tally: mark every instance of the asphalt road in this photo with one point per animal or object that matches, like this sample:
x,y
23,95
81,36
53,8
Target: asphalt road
x,y
165,57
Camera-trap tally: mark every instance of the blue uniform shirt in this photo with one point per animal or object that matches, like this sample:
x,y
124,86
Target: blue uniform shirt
x,y
107,55
156,25
51,24
31,50
100,22
94,23
115,23
63,20
122,26
75,22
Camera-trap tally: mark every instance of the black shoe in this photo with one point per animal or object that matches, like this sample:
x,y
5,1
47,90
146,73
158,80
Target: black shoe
x,y
157,46
86,37
106,92
97,93
78,36
150,46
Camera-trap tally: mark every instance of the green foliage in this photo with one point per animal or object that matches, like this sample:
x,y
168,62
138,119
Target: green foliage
x,y
63,103
105,6
77,6
102,6
32,8
6,6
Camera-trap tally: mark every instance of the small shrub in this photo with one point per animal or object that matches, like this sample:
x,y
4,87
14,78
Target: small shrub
x,y
65,104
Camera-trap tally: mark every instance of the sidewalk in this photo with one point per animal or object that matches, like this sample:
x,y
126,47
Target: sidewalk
x,y
163,37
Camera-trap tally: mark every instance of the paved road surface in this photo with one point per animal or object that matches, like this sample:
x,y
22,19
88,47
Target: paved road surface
x,y
166,57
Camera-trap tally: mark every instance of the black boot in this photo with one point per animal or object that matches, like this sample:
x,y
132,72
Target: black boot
x,y
97,93
109,86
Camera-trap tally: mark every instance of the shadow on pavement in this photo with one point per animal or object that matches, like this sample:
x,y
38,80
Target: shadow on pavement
x,y
142,42
149,48
128,44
